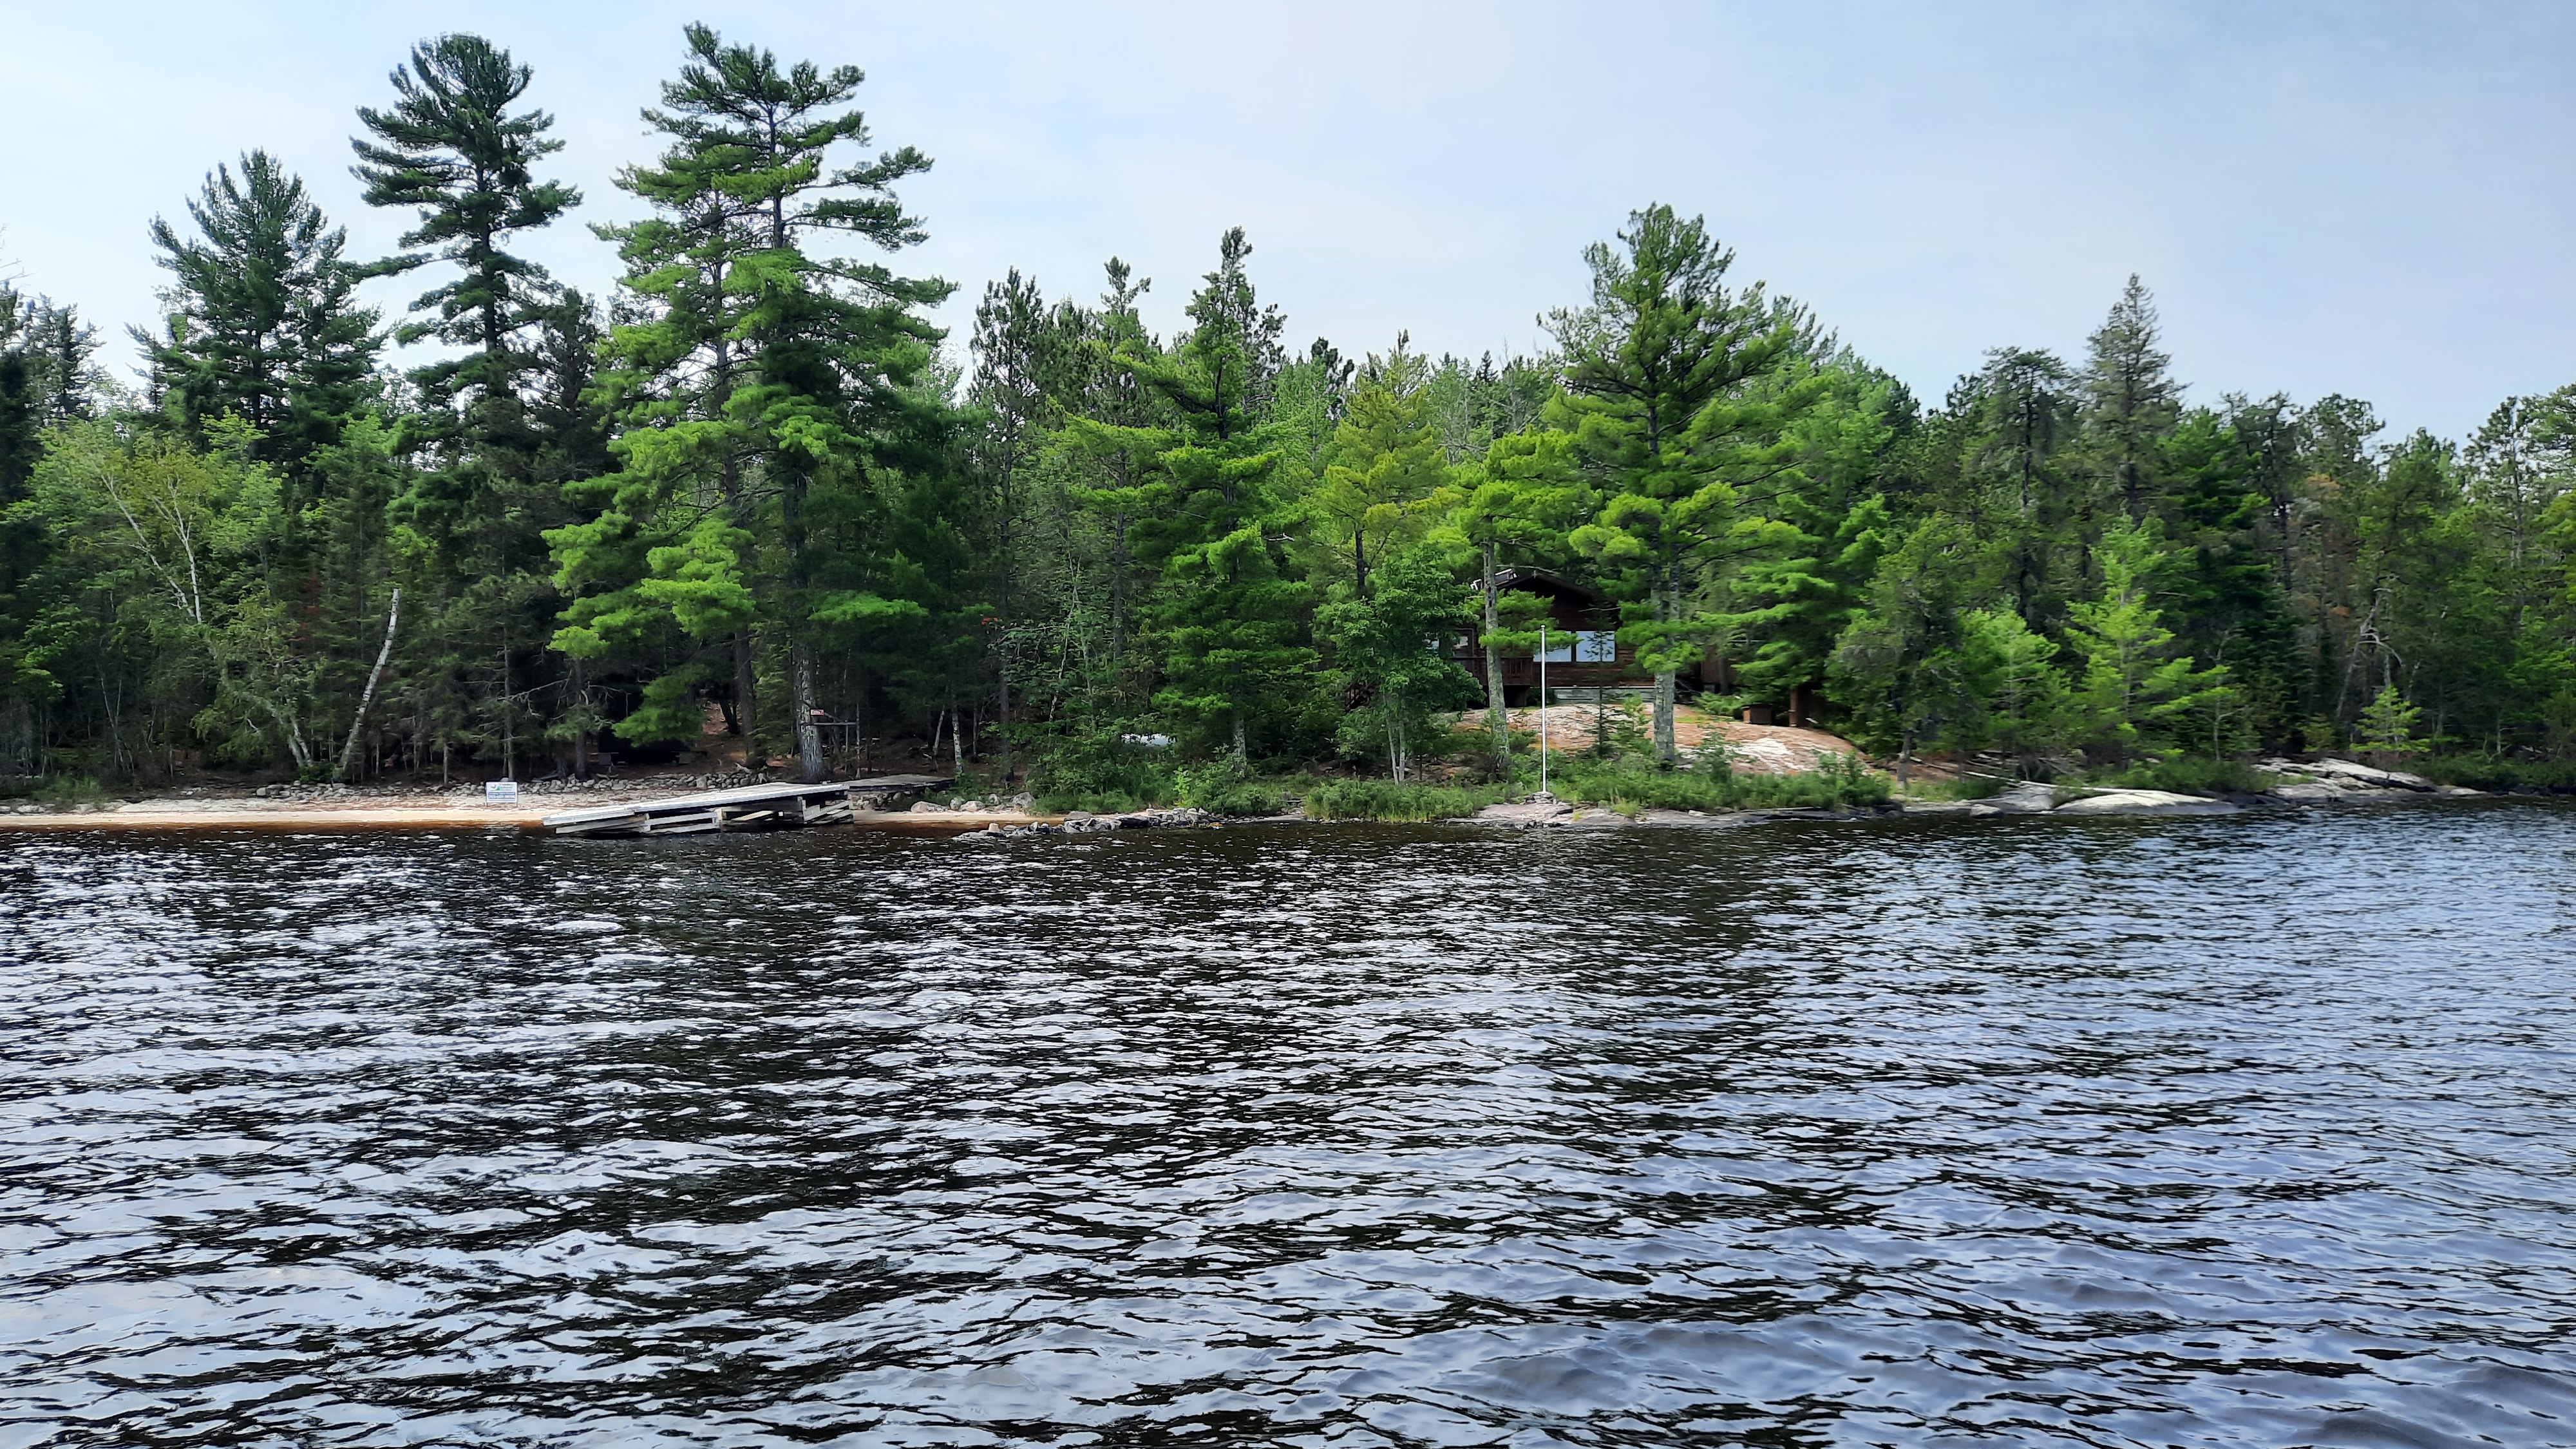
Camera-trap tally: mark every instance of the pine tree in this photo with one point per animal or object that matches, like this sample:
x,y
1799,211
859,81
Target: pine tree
x,y
1013,345
1900,665
1384,484
2021,408
2135,685
766,392
2131,400
263,322
2388,723
1517,502
451,147
1229,614
1379,644
1682,392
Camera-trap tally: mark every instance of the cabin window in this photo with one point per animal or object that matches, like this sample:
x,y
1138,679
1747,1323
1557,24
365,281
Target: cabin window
x,y
1559,650
1596,646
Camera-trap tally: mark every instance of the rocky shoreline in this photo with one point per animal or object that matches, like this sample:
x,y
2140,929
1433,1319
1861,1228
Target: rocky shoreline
x,y
996,818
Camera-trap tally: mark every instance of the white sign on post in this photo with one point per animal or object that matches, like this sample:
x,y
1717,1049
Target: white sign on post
x,y
501,792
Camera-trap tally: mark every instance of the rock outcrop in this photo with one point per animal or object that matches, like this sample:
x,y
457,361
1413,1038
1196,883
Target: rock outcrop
x,y
2144,802
1081,822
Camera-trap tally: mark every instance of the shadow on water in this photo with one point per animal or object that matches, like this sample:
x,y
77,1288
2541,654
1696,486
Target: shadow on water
x,y
2237,1131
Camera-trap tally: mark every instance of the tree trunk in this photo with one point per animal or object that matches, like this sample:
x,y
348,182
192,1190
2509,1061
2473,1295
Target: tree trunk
x,y
1118,597
1497,719
1667,751
956,734
393,612
743,686
1242,757
809,740
578,687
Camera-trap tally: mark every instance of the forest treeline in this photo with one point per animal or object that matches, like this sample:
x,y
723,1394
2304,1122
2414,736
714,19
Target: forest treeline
x,y
757,488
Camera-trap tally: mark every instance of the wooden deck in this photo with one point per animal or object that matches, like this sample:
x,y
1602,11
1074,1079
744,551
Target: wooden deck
x,y
750,807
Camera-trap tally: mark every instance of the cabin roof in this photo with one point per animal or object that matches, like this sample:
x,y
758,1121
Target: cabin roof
x,y
1544,581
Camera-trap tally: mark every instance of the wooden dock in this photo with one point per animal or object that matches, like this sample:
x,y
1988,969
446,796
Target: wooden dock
x,y
749,807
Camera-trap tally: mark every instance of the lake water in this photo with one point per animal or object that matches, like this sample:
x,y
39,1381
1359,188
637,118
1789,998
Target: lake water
x,y
2245,1131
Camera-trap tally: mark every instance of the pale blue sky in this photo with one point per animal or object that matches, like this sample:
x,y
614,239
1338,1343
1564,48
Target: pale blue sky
x,y
2372,199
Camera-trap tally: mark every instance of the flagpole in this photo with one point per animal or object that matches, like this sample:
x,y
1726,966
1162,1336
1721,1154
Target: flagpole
x,y
1542,709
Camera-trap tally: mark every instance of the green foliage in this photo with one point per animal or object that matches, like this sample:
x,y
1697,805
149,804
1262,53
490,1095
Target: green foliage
x,y
2486,772
2194,775
1388,800
1224,794
1103,774
66,792
751,493
1684,395
1384,640
2388,724
1839,782
2136,688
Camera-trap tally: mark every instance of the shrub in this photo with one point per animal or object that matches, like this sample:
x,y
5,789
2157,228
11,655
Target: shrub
x,y
1387,800
1104,775
1242,798
64,791
2194,775
2482,772
1838,782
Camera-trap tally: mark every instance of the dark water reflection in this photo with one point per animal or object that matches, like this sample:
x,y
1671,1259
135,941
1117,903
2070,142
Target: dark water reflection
x,y
2125,1133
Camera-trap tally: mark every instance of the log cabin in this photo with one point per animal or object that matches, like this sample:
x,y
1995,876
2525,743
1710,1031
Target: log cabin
x,y
1585,651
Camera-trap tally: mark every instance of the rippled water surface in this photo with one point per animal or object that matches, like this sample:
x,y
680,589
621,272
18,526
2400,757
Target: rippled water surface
x,y
2238,1131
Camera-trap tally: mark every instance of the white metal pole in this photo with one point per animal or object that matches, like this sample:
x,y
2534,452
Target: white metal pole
x,y
1542,707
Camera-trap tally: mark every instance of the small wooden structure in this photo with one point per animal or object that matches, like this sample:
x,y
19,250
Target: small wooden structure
x,y
1585,653
749,807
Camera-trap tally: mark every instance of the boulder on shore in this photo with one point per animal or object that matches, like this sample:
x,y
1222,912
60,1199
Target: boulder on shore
x,y
2030,797
2367,775
2144,802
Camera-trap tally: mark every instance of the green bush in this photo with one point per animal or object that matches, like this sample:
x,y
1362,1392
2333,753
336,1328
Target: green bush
x,y
64,791
1387,800
1243,799
1966,787
1839,782
1104,775
2481,772
2194,775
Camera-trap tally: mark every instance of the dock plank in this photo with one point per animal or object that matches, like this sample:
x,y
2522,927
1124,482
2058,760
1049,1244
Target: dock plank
x,y
825,803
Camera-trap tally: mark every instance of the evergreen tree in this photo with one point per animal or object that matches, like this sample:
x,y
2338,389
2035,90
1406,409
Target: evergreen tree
x,y
1014,346
2021,408
263,323
1900,665
451,147
2130,400
1681,394
2135,686
1379,643
1384,485
767,393
1229,615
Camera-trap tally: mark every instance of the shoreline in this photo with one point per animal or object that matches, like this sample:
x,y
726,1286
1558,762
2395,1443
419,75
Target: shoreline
x,y
2325,782
250,815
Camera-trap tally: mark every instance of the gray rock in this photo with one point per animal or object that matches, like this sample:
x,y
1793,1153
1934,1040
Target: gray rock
x,y
2029,797
2144,802
2367,775
1536,810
